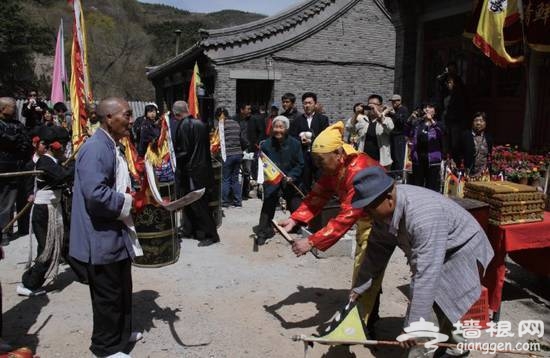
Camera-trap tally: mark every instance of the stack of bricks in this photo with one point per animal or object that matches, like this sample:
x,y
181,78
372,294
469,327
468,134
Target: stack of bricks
x,y
510,203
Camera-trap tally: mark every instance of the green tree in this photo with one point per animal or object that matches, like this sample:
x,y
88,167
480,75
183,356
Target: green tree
x,y
16,72
19,38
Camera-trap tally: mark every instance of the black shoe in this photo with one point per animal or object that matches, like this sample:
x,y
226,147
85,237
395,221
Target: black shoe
x,y
208,242
184,234
260,240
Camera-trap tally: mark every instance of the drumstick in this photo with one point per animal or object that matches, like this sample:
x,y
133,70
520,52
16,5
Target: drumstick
x,y
289,239
283,232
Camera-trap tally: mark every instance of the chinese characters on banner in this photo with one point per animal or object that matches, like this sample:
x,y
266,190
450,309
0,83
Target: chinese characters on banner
x,y
471,329
537,24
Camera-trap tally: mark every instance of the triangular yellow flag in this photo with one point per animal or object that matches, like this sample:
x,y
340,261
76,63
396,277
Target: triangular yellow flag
x,y
351,329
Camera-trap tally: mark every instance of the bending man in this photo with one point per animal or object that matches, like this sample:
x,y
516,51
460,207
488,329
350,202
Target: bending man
x,y
339,162
445,247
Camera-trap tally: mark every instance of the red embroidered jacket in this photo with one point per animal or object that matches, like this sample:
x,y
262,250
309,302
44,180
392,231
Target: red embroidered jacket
x,y
328,185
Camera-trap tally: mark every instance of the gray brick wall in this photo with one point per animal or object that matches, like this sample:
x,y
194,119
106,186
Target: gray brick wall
x,y
344,63
226,88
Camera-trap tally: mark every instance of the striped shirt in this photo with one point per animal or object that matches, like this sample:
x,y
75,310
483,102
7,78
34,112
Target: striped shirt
x,y
443,244
232,135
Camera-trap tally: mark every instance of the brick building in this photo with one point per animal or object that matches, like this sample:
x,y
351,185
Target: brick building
x,y
343,50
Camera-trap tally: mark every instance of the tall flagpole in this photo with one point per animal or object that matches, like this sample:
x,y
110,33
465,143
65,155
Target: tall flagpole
x,y
59,76
80,88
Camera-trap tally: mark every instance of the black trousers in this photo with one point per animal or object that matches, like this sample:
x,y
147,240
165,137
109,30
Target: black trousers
x,y
34,277
398,144
8,196
269,206
111,293
246,169
201,221
23,221
426,175
310,173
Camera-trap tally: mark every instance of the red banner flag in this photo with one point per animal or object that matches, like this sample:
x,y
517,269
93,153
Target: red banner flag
x,y
81,93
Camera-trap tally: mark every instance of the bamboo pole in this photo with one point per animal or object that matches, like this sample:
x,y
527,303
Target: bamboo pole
x,y
16,217
320,340
29,204
296,188
20,174
73,155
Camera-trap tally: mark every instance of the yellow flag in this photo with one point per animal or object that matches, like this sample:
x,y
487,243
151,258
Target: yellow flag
x,y
272,174
489,37
193,99
350,329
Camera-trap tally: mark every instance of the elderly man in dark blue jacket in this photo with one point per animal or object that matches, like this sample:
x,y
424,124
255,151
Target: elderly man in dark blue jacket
x,y
102,239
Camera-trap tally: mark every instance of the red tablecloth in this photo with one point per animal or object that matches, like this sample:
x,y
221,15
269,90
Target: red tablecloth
x,y
528,245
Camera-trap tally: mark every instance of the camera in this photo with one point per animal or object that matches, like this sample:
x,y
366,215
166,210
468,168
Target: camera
x,y
419,111
369,107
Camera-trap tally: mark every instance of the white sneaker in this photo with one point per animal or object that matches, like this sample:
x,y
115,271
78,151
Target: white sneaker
x,y
23,291
119,355
135,336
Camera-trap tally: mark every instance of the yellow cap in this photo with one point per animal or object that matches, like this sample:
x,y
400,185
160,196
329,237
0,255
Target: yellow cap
x,y
331,139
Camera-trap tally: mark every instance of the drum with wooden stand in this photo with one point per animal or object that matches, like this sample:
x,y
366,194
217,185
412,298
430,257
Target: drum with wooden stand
x,y
156,231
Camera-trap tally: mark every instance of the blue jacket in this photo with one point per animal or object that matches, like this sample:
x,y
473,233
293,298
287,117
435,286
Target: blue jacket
x,y
97,236
288,157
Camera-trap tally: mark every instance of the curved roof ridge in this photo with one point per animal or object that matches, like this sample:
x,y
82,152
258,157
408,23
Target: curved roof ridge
x,y
296,10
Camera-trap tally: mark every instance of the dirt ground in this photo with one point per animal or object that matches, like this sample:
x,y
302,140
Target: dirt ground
x,y
229,300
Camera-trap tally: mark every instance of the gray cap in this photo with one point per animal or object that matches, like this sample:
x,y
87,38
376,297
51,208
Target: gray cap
x,y
395,97
369,184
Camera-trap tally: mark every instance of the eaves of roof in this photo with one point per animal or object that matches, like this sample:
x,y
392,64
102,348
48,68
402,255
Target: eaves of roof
x,y
188,55
272,34
264,36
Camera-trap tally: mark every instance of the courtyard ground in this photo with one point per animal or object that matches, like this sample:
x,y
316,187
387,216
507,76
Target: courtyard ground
x,y
231,300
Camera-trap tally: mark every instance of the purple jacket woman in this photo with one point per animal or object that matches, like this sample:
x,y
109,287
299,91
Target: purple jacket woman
x,y
426,136
434,147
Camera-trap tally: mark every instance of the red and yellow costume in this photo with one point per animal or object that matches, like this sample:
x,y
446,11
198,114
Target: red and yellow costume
x,y
340,184
328,185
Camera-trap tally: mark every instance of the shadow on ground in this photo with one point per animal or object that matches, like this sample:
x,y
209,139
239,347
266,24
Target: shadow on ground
x,y
327,302
19,319
525,285
146,310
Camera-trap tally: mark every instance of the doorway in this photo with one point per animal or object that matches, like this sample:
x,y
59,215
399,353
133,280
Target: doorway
x,y
257,93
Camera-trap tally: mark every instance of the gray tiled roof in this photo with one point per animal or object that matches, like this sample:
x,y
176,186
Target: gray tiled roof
x,y
261,37
271,25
